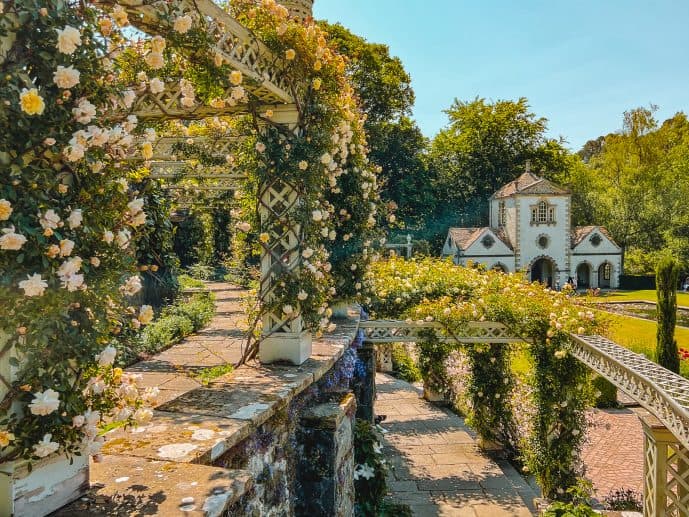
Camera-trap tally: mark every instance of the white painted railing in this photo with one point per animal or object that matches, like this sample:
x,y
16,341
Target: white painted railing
x,y
665,395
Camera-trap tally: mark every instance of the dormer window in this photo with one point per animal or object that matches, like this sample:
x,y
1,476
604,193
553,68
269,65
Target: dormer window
x,y
543,213
502,214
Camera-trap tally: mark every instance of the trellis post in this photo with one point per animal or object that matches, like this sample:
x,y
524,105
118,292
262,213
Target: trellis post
x,y
284,337
666,471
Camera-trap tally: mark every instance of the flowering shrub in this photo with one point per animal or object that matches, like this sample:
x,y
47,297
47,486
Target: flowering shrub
x,y
434,290
370,468
68,221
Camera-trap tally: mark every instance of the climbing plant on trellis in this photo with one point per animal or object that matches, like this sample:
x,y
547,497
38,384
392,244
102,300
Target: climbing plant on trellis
x,y
87,100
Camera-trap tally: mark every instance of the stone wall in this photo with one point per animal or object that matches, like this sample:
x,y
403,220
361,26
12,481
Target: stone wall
x,y
302,458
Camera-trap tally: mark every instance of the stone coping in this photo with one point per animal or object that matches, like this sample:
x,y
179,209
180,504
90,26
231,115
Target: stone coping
x,y
154,464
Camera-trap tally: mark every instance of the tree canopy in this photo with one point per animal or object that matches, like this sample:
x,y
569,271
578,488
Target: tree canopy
x,y
395,141
485,145
635,183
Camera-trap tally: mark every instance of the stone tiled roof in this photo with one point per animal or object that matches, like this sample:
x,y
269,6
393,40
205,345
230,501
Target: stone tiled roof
x,y
529,183
463,238
579,233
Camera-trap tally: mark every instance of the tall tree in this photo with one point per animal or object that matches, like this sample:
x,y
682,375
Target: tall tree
x,y
636,182
486,145
395,141
667,277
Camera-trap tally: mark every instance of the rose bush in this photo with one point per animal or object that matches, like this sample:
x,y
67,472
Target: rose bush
x,y
68,222
432,290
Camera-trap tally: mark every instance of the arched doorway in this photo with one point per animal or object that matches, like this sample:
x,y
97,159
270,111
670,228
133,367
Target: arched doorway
x,y
583,276
605,275
543,271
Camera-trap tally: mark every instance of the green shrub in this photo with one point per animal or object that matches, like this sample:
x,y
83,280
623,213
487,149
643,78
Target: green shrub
x,y
569,510
187,282
404,365
201,272
369,473
605,392
166,331
199,310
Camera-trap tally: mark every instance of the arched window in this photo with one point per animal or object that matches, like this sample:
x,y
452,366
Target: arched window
x,y
502,214
543,213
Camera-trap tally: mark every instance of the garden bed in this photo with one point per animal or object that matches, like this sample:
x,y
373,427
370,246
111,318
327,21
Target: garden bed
x,y
644,310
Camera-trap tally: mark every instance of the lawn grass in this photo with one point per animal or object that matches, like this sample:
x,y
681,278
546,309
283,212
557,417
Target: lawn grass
x,y
640,336
646,294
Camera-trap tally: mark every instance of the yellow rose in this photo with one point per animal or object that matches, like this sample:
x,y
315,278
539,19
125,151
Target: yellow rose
x,y
236,77
290,54
5,438
147,150
5,209
317,84
31,102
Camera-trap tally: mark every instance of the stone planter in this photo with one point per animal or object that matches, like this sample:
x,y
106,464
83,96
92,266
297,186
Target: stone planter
x,y
51,484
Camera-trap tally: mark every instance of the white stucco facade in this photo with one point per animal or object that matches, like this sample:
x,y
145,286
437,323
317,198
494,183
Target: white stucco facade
x,y
530,231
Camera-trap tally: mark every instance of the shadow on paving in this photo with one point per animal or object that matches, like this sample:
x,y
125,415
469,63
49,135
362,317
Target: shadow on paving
x,y
437,467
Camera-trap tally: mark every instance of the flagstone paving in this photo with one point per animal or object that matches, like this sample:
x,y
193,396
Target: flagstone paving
x,y
438,467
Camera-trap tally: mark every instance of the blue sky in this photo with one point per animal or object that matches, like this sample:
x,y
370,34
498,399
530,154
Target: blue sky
x,y
580,63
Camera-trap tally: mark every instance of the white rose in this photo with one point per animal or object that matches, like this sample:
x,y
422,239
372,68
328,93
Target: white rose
x,y
68,39
75,218
73,282
66,77
74,152
123,238
49,219
155,60
317,215
108,236
182,24
46,446
143,415
34,285
11,241
44,402
156,86
107,356
128,98
84,112
66,247
132,286
302,295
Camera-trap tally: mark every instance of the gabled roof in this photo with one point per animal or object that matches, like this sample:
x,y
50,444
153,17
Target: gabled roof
x,y
580,233
529,183
463,238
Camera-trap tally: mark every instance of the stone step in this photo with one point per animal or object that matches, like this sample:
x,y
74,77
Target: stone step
x,y
124,485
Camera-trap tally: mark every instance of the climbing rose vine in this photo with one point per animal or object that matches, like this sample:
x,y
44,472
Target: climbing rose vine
x,y
68,221
433,290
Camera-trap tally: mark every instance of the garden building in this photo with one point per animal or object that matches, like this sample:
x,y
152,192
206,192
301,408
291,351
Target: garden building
x,y
530,230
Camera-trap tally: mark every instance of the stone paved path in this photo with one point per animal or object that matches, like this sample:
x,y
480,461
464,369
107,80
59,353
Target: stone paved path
x,y
613,454
218,344
438,468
